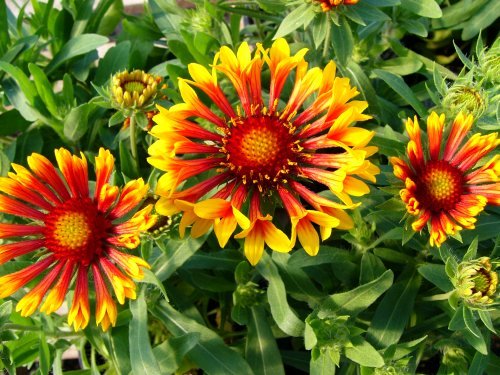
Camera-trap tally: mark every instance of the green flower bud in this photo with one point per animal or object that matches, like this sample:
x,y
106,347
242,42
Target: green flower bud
x,y
476,282
455,359
248,294
489,62
133,90
466,98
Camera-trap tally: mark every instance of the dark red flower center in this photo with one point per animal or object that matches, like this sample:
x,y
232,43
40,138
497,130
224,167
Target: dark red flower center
x,y
441,186
260,150
76,231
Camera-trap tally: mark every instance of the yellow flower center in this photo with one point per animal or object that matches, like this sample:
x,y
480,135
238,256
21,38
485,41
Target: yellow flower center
x,y
76,231
260,150
72,230
441,186
259,146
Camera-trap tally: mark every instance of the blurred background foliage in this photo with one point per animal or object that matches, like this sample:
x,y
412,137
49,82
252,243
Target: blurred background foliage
x,y
373,301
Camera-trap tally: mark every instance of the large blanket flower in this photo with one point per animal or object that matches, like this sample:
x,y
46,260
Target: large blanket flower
x,y
263,151
444,186
79,232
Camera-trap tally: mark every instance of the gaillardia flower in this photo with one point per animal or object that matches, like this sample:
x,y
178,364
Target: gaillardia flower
x,y
444,186
133,90
327,5
476,282
262,155
79,232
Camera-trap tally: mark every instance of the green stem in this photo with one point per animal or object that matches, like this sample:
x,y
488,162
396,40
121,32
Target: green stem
x,y
133,141
19,327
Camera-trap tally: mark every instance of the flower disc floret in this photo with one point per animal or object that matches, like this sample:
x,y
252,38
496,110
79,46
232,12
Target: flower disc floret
x,y
261,154
445,186
80,233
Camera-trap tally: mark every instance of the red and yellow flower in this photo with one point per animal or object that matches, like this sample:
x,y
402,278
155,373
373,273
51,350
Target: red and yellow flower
x,y
80,233
444,185
327,5
263,151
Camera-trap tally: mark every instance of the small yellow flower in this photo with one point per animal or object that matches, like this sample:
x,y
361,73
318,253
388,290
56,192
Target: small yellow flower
x,y
477,282
133,90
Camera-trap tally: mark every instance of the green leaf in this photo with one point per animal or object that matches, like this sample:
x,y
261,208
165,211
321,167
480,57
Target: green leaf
x,y
297,282
261,349
479,364
27,87
68,92
486,319
364,85
301,15
116,119
397,84
224,260
171,353
415,27
127,162
115,60
320,28
343,41
394,310
76,46
210,353
44,355
150,278
436,274
356,300
471,251
424,8
142,358
363,353
470,322
19,101
325,363
166,16
465,60
457,320
176,254
119,348
401,65
76,122
480,20
4,28
44,88
5,311
12,122
477,343
371,268
486,228
310,339
283,315
383,3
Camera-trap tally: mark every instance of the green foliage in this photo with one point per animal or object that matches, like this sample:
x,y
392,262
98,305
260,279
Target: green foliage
x,y
376,299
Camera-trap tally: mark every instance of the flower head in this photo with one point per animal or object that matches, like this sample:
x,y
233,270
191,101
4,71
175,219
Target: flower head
x,y
259,154
80,233
327,5
466,98
444,185
133,90
476,282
